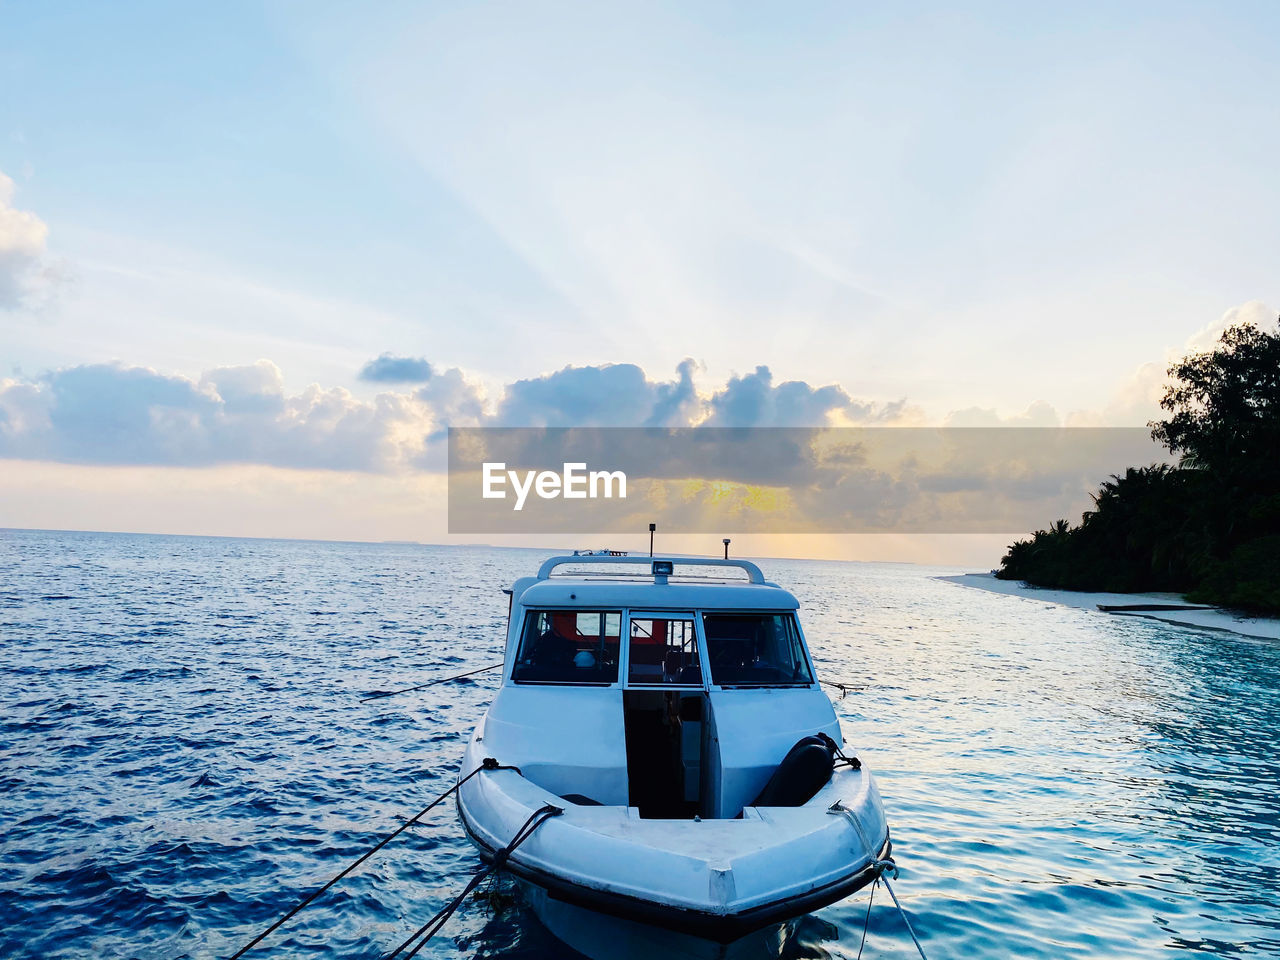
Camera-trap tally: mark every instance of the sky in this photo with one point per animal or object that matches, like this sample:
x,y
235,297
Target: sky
x,y
252,256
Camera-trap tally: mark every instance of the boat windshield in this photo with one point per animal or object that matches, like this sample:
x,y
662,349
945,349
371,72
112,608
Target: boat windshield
x,y
663,651
755,649
569,646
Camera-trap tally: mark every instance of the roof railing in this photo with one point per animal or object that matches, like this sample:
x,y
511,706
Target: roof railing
x,y
753,572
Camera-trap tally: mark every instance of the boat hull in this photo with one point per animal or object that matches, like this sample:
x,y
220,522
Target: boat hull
x,y
548,894
713,880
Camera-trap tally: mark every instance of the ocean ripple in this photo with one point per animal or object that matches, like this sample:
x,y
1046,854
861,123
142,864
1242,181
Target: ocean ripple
x,y
184,755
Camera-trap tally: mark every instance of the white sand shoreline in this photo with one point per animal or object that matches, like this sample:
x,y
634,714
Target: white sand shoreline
x,y
1212,619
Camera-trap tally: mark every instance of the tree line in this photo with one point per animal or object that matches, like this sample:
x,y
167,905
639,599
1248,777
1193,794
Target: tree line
x,y
1209,527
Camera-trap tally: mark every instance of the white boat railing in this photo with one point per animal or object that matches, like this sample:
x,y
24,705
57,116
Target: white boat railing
x,y
753,572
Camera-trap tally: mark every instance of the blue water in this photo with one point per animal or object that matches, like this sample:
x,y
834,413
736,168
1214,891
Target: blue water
x,y
184,755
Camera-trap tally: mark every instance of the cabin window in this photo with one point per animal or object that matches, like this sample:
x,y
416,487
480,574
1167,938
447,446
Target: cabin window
x,y
755,649
569,646
663,650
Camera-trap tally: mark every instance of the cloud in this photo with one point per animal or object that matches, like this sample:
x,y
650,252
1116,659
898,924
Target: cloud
x,y
609,395
391,369
1253,311
108,414
452,400
22,250
799,478
1038,414
675,402
113,414
753,401
254,389
1136,401
622,395
117,414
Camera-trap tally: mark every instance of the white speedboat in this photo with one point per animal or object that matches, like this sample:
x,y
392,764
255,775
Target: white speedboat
x,y
678,724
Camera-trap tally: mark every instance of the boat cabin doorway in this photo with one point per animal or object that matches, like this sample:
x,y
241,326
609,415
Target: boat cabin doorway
x,y
665,711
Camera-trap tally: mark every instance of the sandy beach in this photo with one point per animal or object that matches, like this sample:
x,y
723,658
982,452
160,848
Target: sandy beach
x,y
1212,619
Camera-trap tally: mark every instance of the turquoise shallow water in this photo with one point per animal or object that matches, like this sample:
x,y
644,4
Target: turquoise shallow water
x,y
184,755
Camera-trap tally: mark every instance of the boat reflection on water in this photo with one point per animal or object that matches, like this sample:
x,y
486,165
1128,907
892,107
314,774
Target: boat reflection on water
x,y
602,937
528,924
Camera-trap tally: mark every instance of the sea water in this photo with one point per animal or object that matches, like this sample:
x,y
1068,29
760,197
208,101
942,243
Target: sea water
x,y
185,755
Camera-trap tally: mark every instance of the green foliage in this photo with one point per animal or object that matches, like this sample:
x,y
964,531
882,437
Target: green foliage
x,y
1225,405
1209,527
1249,578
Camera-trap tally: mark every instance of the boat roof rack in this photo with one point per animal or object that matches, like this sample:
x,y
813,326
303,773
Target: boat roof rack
x,y
753,572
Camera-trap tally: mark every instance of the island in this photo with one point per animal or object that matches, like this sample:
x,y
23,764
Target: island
x,y
1206,529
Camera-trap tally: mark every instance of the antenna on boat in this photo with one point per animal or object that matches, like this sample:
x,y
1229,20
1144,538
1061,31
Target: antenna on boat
x,y
652,527
726,547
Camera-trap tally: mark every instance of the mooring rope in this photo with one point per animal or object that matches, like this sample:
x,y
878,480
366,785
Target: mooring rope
x,y
434,925
488,764
844,688
903,914
430,683
881,868
866,921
